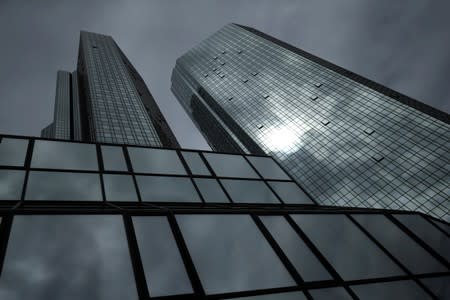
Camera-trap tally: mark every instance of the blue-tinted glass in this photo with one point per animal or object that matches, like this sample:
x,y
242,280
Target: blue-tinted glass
x,y
13,152
147,160
228,165
405,289
282,296
63,186
67,257
119,187
348,249
267,167
306,263
211,190
163,266
113,159
337,293
167,189
64,155
249,191
223,248
439,286
404,248
428,233
195,163
290,193
11,182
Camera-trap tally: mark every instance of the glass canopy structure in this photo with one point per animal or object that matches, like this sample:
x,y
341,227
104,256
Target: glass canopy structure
x,y
103,221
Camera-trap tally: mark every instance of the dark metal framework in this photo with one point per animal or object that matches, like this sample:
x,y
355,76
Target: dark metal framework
x,y
10,209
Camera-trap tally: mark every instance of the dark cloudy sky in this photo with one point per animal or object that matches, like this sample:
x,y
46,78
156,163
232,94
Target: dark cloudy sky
x,y
402,44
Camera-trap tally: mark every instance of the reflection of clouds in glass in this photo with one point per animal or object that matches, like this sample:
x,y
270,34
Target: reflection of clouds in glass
x,y
162,263
67,257
405,289
13,151
11,182
63,186
348,249
230,254
283,139
167,189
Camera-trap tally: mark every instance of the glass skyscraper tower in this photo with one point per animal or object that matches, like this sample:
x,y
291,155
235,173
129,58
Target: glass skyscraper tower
x,y
347,140
106,100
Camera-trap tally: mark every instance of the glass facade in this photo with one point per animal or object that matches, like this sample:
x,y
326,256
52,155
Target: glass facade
x,y
105,100
348,141
196,225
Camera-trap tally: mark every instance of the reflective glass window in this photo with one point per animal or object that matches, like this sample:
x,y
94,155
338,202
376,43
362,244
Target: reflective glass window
x,y
67,257
13,152
228,165
404,248
211,190
439,286
147,160
428,233
249,191
119,187
64,155
336,293
290,193
11,182
195,163
113,159
167,189
164,269
348,249
441,225
267,167
282,296
223,248
306,263
63,186
404,289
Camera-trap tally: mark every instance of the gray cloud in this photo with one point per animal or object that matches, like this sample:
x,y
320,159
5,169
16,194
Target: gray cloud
x,y
402,46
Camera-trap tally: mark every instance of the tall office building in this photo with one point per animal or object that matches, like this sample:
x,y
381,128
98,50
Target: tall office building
x,y
106,100
346,139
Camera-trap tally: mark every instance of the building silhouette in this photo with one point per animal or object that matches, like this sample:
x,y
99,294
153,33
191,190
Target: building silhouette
x,y
83,219
346,139
106,100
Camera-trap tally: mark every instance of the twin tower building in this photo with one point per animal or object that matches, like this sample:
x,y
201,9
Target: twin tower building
x,y
347,140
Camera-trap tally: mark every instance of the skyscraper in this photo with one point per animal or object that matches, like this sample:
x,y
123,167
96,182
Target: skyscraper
x,y
106,100
346,139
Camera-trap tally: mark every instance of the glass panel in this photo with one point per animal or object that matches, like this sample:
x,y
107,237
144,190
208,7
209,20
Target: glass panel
x,y
167,189
119,188
228,165
223,248
306,263
267,168
13,152
249,191
63,186
405,289
428,233
337,293
64,155
282,296
67,257
147,160
211,190
404,248
439,286
113,159
290,193
441,225
195,163
348,249
11,182
163,266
